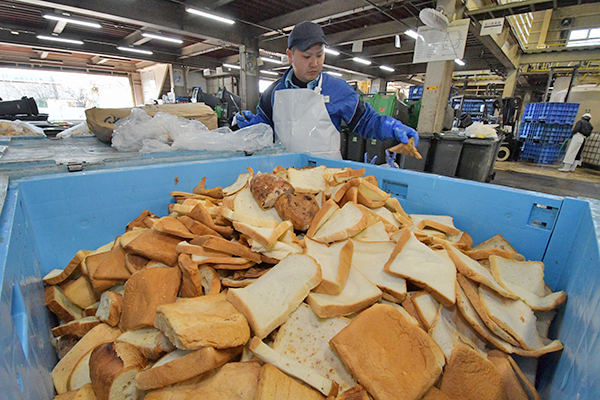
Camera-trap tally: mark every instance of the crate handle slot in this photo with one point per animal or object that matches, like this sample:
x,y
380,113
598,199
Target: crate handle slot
x,y
20,319
395,188
543,216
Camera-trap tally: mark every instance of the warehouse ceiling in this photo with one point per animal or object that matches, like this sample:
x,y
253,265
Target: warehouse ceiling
x,y
370,26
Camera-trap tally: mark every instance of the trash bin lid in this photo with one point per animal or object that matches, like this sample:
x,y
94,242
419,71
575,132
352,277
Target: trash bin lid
x,y
449,136
425,135
482,141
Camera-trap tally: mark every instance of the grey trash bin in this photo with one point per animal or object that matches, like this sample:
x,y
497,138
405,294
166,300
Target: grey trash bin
x,y
374,147
356,147
424,148
478,158
446,153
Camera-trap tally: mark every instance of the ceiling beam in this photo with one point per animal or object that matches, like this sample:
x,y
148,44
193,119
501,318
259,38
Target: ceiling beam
x,y
519,7
560,56
497,45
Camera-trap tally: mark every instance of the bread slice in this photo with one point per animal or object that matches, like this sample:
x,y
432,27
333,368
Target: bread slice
x,y
357,295
435,394
342,224
196,227
469,375
293,368
80,292
203,215
226,246
322,216
239,183
78,327
373,233
264,236
369,259
113,367
80,376
335,261
447,229
356,392
244,204
152,342
59,304
57,276
427,308
232,381
418,263
526,280
180,365
510,381
496,245
91,310
141,221
308,180
156,246
233,216
112,267
62,370
206,321
146,290
173,226
274,384
278,251
191,282
401,308
444,221
268,302
475,271
305,337
211,283
109,309
371,344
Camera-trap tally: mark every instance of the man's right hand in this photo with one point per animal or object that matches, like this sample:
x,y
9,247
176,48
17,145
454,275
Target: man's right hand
x,y
245,118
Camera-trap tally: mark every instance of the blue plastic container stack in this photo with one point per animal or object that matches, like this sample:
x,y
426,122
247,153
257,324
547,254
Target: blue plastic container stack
x,y
474,107
415,92
545,128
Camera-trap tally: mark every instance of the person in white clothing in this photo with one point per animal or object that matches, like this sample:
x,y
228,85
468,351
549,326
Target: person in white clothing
x,y
582,129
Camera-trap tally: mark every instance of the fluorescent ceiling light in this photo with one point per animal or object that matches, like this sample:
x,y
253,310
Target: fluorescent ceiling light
x,y
72,21
386,68
269,72
211,16
231,66
58,39
411,33
272,60
132,50
334,73
161,37
331,51
579,34
459,61
361,60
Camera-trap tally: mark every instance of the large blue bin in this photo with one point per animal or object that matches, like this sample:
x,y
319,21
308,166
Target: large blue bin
x,y
46,219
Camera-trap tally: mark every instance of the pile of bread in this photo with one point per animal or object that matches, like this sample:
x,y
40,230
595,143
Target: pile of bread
x,y
298,284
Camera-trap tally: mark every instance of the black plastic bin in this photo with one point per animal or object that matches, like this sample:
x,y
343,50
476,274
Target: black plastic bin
x,y
424,148
344,143
445,153
477,159
356,147
374,147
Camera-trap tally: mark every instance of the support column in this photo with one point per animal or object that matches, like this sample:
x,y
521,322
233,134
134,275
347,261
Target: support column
x,y
438,79
510,83
378,85
249,74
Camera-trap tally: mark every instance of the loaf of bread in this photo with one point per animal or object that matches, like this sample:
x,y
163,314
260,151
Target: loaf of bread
x,y
266,189
298,208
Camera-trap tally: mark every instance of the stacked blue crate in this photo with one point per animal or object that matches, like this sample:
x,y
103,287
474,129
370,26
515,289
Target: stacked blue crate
x,y
545,128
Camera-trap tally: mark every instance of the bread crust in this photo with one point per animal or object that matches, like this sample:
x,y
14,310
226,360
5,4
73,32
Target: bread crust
x,y
298,208
267,188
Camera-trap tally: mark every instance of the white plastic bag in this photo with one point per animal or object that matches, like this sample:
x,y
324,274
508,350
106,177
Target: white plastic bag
x,y
19,128
75,130
480,130
251,138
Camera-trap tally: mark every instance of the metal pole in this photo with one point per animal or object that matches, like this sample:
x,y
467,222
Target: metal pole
x,y
573,75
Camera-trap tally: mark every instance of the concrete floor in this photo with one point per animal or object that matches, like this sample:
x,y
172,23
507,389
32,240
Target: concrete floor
x,y
584,182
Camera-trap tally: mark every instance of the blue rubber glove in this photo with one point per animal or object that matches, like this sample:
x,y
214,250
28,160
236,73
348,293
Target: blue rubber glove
x,y
394,129
245,118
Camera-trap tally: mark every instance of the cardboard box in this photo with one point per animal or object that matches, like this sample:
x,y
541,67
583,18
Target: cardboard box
x,y
101,121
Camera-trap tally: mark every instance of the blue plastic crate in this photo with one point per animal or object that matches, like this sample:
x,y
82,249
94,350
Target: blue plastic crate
x,y
542,153
45,220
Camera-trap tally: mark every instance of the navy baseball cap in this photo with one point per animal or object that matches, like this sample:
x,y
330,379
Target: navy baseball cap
x,y
305,35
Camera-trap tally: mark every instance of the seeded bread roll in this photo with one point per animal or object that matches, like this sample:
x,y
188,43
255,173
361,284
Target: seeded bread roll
x,y
266,189
299,208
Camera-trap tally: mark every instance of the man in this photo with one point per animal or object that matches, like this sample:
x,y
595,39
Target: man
x,y
306,107
582,129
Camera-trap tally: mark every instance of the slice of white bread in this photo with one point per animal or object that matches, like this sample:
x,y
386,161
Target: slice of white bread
x,y
180,365
57,276
152,342
80,292
293,368
62,370
80,375
144,291
369,258
59,304
227,246
526,280
239,216
113,367
84,393
475,271
305,337
244,204
342,224
470,376
322,216
173,226
373,233
274,384
78,327
416,262
400,308
426,307
205,321
512,386
370,347
239,183
308,180
268,302
496,245
335,261
357,295
232,381
109,308
264,236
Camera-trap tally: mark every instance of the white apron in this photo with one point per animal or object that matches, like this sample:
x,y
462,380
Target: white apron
x,y
302,123
573,149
